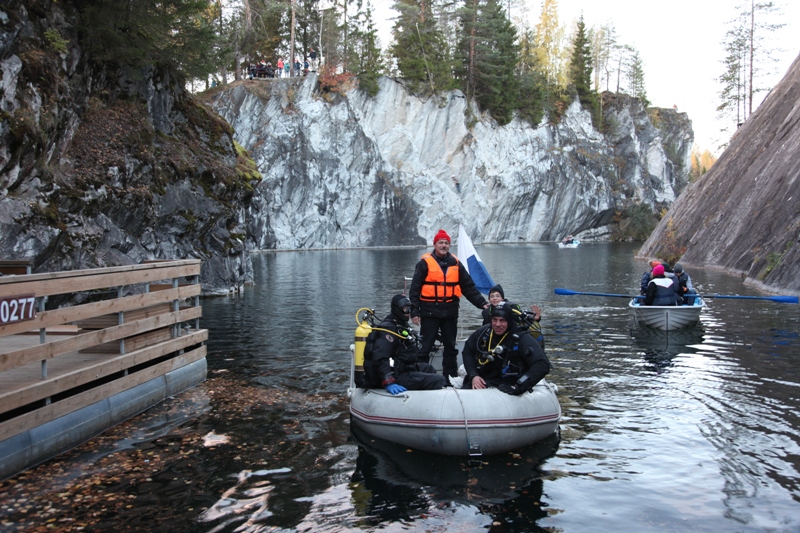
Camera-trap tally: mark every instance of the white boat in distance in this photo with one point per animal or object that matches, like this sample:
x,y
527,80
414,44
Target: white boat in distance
x,y
667,317
458,421
572,244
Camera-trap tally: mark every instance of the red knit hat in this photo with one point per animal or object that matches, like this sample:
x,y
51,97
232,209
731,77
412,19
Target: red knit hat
x,y
658,270
441,235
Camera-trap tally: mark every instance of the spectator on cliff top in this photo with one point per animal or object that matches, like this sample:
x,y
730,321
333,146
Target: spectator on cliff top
x,y
313,55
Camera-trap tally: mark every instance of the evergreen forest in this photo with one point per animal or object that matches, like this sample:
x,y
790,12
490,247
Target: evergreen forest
x,y
508,66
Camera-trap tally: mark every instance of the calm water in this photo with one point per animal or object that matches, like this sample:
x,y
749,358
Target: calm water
x,y
694,431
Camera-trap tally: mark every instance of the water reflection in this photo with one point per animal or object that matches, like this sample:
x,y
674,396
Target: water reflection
x,y
392,482
660,348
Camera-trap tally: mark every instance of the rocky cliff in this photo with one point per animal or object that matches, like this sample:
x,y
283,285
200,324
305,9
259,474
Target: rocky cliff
x,y
350,170
102,168
743,215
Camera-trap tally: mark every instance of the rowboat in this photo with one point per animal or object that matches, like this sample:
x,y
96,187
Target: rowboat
x,y
667,317
458,421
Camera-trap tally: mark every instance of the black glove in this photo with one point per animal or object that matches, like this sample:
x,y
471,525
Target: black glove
x,y
510,389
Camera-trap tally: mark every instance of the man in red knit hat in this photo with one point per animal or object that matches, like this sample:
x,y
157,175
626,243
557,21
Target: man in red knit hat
x,y
440,279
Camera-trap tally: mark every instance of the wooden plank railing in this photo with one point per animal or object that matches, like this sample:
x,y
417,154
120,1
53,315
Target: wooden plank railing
x,y
60,360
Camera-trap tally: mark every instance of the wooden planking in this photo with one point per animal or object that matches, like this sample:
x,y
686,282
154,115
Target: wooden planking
x,y
58,317
109,321
50,412
164,286
145,265
81,369
132,343
85,340
22,377
52,283
66,329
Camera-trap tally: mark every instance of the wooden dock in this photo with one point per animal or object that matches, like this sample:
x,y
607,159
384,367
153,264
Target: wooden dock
x,y
69,371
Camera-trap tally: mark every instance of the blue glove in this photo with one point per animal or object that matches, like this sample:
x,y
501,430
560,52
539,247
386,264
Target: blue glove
x,y
394,388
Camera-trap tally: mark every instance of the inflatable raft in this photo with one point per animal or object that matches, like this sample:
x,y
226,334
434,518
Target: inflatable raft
x,y
457,421
450,421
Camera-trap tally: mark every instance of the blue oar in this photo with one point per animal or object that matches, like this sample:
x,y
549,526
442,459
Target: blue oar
x,y
779,299
567,292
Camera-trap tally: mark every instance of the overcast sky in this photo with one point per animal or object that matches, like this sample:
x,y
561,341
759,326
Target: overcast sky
x,y
680,42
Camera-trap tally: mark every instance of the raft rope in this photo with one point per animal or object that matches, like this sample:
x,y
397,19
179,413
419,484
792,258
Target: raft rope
x,y
466,422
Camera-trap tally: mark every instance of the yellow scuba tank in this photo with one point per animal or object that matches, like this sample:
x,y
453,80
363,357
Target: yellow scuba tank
x,y
362,332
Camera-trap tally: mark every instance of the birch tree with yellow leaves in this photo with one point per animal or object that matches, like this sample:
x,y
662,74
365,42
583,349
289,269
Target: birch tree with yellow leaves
x,y
550,49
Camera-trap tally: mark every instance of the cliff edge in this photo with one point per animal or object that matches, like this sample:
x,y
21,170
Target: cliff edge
x,y
104,166
743,216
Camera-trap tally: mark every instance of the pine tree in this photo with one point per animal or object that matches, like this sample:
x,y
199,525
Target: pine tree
x,y
532,84
732,96
419,48
174,33
580,69
465,68
489,56
636,77
747,58
366,61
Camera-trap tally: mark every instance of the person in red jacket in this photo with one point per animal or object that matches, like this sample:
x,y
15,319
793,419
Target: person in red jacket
x,y
439,281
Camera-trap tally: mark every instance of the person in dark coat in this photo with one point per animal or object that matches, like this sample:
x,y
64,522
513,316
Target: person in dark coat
x,y
647,276
686,287
662,290
502,356
439,281
497,295
394,339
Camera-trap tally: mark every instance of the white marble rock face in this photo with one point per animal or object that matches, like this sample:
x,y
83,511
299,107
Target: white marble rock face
x,y
360,171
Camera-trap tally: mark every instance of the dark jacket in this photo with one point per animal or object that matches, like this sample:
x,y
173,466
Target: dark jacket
x,y
382,345
662,291
443,309
521,355
644,282
685,282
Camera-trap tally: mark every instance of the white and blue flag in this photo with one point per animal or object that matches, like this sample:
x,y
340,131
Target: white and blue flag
x,y
472,262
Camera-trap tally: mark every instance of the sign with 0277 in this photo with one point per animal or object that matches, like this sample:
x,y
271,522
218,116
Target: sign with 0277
x,y
17,308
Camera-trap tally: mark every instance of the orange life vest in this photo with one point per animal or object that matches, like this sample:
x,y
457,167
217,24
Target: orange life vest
x,y
440,286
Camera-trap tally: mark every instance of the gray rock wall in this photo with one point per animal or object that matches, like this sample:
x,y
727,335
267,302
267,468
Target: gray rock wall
x,y
358,171
102,168
743,216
